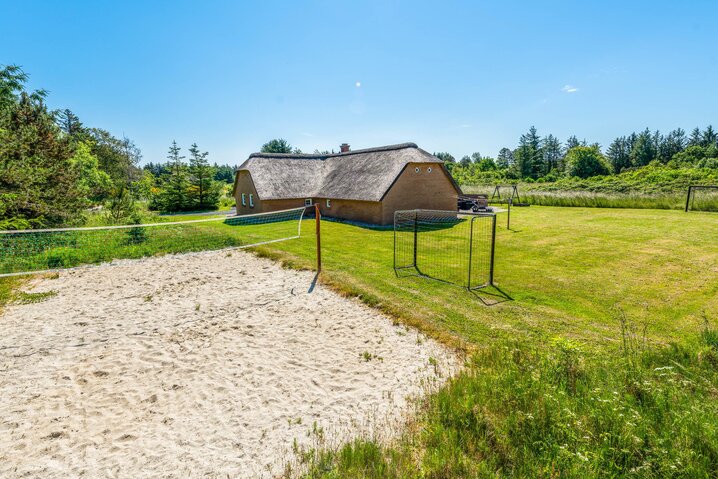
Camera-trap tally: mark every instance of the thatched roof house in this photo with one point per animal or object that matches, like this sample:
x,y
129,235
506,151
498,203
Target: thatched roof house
x,y
363,185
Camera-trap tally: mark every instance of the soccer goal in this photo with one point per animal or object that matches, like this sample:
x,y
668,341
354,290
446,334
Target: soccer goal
x,y
446,246
702,198
45,250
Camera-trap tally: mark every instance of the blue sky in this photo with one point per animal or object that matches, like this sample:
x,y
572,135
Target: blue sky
x,y
450,76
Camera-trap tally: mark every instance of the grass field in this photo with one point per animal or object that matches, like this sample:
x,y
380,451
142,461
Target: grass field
x,y
598,356
567,270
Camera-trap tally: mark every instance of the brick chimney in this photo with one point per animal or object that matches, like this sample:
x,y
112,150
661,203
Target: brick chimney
x,y
344,147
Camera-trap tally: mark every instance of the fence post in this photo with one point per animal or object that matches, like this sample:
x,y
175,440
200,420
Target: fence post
x,y
319,237
688,198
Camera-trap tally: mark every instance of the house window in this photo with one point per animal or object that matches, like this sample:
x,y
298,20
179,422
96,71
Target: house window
x,y
416,170
244,199
428,170
329,203
251,200
308,202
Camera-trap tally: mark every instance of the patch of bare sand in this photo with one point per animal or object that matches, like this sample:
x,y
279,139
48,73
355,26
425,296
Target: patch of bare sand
x,y
197,365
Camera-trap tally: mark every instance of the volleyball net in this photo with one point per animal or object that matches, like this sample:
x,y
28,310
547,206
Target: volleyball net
x,y
46,250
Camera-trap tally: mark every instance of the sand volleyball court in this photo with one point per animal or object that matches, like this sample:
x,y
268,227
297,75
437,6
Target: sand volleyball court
x,y
212,364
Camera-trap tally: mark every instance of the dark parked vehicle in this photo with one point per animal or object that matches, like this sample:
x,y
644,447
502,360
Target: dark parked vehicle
x,y
475,204
468,204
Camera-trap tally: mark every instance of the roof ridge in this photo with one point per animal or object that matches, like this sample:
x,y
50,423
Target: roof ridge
x,y
306,156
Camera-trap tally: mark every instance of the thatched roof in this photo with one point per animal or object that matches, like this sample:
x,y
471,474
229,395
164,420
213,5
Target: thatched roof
x,y
355,175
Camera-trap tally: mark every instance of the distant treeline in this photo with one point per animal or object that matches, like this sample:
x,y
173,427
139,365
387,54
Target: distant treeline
x,y
546,159
222,173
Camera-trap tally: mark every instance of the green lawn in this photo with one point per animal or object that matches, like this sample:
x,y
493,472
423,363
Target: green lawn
x,y
567,271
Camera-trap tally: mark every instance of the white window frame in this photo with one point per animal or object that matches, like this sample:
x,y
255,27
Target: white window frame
x,y
329,203
244,199
251,200
308,202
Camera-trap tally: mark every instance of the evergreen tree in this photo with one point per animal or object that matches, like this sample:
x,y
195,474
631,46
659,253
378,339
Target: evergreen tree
x,y
619,154
39,184
175,194
476,157
69,123
644,149
528,155
672,144
224,173
505,158
573,142
552,154
205,191
696,138
709,137
465,161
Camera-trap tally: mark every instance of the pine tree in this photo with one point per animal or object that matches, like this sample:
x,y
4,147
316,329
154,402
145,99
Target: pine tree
x,y
175,195
619,154
644,150
672,144
696,138
39,184
528,155
552,154
68,122
205,191
573,142
709,137
505,158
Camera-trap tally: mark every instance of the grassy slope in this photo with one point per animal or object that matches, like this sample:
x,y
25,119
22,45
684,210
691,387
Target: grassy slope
x,y
566,270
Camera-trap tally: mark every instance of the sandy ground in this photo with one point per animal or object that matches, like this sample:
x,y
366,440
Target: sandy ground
x,y
200,365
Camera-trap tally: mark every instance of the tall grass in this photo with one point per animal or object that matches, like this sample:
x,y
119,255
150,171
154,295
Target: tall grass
x,y
521,410
605,200
704,200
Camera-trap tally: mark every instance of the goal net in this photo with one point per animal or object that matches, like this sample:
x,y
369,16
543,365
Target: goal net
x,y
37,251
446,246
702,198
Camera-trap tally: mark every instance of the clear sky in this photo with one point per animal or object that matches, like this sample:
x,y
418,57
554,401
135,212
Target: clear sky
x,y
450,76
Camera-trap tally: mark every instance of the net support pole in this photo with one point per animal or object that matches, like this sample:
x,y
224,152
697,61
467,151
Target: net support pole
x,y
416,235
319,237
